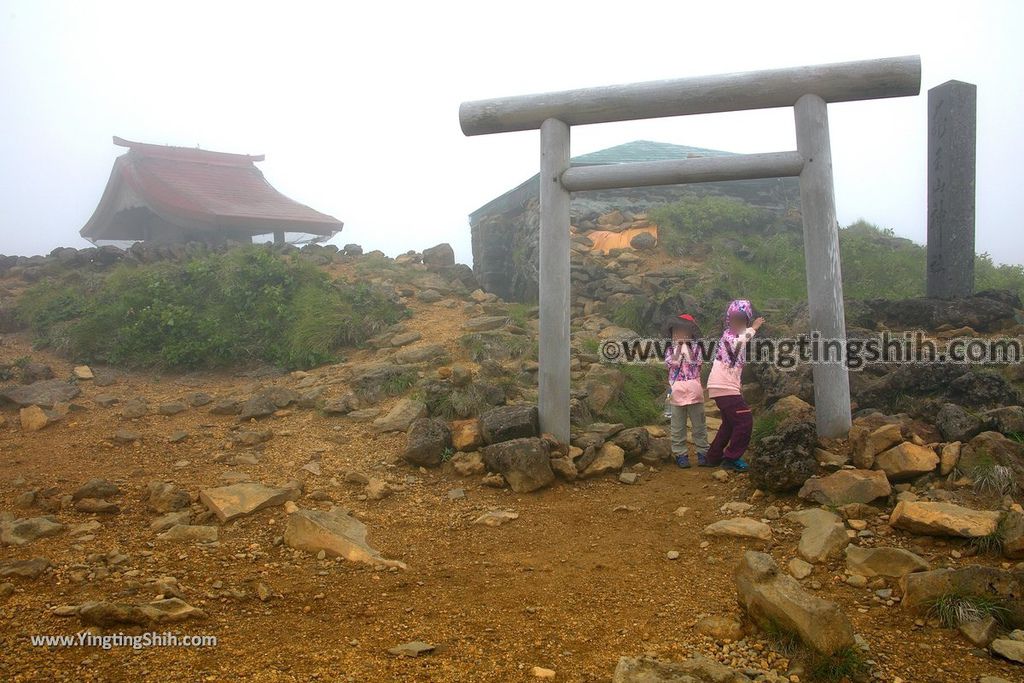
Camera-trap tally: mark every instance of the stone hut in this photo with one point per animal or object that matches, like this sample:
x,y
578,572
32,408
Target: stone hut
x,y
505,229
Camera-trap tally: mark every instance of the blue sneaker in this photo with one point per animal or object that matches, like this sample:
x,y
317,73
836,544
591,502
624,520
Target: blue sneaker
x,y
702,460
737,465
683,461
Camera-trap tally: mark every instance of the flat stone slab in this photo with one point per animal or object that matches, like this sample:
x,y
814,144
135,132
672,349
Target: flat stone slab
x,y
847,486
414,648
891,562
237,500
44,393
25,569
184,533
336,533
106,614
23,531
403,414
739,527
943,519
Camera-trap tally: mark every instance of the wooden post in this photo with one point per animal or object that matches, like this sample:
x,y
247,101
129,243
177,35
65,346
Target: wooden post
x,y
279,237
553,372
824,276
952,122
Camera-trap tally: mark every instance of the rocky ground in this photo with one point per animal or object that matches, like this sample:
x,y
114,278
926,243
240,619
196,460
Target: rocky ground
x,y
233,504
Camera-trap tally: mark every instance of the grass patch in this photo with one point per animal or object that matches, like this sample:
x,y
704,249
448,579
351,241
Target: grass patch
x,y
630,315
990,478
247,304
764,425
519,314
991,544
590,345
848,663
496,345
642,397
954,609
457,403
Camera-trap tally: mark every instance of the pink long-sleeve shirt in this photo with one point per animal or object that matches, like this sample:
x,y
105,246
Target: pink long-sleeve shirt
x,y
725,377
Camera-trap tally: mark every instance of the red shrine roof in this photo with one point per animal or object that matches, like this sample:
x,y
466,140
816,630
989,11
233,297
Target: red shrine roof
x,y
195,190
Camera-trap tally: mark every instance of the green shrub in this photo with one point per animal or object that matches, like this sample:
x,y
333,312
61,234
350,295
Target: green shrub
x,y
764,425
689,221
845,664
245,305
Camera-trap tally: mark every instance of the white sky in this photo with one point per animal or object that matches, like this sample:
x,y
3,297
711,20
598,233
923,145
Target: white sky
x,y
356,104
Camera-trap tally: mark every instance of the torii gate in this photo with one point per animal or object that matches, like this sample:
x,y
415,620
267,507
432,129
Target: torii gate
x,y
807,89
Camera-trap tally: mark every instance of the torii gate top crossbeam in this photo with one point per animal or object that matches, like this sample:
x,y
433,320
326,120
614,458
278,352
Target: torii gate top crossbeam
x,y
840,82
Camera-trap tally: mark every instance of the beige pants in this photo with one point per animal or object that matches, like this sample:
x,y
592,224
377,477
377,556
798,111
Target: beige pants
x,y
695,414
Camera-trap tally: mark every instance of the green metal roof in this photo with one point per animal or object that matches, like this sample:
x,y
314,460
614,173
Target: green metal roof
x,y
638,150
643,150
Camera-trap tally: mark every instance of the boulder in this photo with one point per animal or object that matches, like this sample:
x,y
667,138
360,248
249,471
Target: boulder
x,y
981,632
1010,649
885,437
921,589
906,461
739,527
468,464
607,458
846,486
401,416
426,441
439,256
162,496
24,531
602,385
96,488
24,569
775,601
524,463
485,323
424,353
1012,532
1008,420
34,418
505,423
467,435
633,441
889,562
784,460
821,542
949,457
108,614
943,519
336,533
989,449
44,393
862,451
956,424
237,500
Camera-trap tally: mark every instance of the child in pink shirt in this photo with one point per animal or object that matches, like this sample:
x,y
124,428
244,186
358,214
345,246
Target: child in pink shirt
x,y
724,387
686,393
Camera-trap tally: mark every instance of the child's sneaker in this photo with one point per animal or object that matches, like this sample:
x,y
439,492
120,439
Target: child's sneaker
x,y
702,460
737,465
683,461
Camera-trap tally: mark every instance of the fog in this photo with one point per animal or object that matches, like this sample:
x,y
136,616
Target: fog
x,y
356,107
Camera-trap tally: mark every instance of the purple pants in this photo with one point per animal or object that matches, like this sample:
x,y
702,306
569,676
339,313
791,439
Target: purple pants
x,y
734,434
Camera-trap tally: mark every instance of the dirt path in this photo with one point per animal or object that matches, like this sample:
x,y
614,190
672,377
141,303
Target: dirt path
x,y
578,580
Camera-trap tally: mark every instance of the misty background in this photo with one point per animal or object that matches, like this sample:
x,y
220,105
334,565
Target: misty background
x,y
356,107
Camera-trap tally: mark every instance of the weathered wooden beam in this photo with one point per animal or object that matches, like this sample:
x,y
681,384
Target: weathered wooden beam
x,y
824,276
681,171
553,355
840,82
